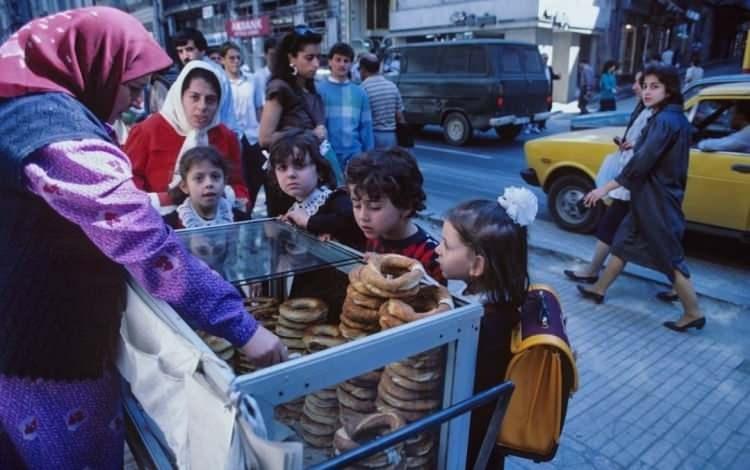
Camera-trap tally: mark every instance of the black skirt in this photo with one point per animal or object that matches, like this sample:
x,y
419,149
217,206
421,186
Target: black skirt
x,y
613,216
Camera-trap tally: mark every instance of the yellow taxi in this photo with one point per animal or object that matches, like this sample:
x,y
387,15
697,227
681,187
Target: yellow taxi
x,y
717,199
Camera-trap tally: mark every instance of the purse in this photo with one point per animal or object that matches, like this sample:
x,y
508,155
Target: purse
x,y
404,135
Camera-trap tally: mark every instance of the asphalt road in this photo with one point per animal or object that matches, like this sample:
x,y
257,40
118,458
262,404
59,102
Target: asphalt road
x,y
486,165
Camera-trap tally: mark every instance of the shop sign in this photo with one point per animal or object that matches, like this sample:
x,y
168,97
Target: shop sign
x,y
249,27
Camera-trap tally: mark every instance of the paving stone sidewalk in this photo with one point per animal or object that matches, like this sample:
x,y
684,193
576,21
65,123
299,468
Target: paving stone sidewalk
x,y
648,397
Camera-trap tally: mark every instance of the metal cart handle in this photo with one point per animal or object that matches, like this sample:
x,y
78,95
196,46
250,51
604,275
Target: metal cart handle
x,y
501,393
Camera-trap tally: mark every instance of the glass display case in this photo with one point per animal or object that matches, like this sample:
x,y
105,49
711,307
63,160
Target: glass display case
x,y
271,259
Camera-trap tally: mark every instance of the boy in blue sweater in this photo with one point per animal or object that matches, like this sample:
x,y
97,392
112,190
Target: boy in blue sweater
x,y
348,116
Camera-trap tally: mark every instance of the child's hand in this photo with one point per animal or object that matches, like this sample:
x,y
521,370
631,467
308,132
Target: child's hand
x,y
325,237
298,217
320,132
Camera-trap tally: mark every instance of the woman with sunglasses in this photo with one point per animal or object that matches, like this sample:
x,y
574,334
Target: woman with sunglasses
x,y
291,99
73,225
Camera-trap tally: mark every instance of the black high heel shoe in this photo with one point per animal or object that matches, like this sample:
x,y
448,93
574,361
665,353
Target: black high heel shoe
x,y
587,294
697,324
587,279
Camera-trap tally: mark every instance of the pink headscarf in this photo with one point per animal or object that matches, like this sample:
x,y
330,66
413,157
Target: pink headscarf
x,y
87,53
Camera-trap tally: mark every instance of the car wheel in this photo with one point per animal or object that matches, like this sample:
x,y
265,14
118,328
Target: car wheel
x,y
456,129
566,207
508,133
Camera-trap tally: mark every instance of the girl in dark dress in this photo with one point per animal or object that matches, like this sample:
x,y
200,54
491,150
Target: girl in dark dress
x,y
485,245
651,234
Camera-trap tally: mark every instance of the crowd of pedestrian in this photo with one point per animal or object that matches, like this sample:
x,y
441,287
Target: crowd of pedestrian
x,y
80,210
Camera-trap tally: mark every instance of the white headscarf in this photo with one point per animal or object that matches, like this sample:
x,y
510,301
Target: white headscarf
x,y
174,113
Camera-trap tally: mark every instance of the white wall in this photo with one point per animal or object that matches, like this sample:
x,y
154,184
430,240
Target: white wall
x,y
420,14
579,14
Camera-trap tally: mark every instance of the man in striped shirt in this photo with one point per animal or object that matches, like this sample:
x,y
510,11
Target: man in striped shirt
x,y
385,101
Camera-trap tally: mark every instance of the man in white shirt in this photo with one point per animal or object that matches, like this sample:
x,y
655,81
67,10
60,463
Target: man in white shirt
x,y
243,101
739,141
263,75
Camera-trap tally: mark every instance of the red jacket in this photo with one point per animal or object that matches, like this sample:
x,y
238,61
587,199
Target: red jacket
x,y
153,145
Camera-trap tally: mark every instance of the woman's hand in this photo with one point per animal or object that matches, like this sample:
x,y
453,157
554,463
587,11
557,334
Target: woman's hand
x,y
594,196
625,145
264,348
320,132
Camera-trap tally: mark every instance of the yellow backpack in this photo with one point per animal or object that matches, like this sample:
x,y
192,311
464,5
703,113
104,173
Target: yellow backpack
x,y
543,370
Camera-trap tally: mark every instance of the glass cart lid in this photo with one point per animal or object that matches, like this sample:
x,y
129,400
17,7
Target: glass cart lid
x,y
262,249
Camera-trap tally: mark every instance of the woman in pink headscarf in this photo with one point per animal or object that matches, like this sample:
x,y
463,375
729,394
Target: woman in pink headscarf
x,y
72,224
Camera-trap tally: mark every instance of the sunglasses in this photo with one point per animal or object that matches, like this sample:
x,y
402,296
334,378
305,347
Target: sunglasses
x,y
303,30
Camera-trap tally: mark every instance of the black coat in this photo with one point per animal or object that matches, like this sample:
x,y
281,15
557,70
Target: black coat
x,y
651,234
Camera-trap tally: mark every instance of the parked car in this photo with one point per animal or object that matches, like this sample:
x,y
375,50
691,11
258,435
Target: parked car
x,y
620,118
471,84
717,198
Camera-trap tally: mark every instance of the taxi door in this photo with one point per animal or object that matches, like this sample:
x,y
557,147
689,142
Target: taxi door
x,y
718,188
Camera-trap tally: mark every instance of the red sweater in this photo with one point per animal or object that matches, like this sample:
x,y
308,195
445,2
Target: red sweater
x,y
153,146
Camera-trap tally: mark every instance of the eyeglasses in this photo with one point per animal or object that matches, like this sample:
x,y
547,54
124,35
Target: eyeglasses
x,y
303,30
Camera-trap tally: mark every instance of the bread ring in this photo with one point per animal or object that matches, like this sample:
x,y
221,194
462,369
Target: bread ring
x,y
292,325
409,416
330,419
419,462
321,403
287,332
355,281
346,399
351,333
315,428
388,386
392,273
295,344
286,414
368,380
260,302
416,375
387,321
304,310
420,447
380,423
429,301
349,418
321,442
403,382
323,330
328,394
363,300
362,393
433,359
357,325
407,405
393,295
319,343
359,313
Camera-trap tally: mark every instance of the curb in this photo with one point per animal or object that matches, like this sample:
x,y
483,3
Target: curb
x,y
631,269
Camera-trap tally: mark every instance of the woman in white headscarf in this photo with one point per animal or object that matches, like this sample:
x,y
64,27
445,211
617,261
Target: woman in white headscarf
x,y
189,118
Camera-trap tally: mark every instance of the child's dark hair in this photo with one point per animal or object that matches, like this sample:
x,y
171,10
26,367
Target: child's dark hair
x,y
341,48
229,46
206,75
670,78
392,173
608,65
201,154
305,143
485,227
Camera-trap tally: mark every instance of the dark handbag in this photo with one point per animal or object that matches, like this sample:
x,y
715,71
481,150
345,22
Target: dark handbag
x,y
404,136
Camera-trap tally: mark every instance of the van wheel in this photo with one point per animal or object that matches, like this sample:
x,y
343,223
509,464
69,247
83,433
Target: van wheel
x,y
508,133
563,199
456,129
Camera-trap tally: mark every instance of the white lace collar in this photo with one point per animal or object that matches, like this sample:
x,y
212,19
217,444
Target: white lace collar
x,y
191,219
312,203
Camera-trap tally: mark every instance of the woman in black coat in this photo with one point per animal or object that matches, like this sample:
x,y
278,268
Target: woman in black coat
x,y
651,235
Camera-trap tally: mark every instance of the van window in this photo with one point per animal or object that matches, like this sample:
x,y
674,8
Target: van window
x,y
478,61
510,60
422,60
455,60
532,61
